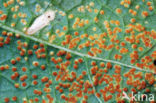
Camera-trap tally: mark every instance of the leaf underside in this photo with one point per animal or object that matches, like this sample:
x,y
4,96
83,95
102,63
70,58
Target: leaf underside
x,y
92,51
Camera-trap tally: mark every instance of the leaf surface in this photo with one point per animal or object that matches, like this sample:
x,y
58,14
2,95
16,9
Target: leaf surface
x,y
92,51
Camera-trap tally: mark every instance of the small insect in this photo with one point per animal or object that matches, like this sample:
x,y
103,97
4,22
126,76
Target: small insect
x,y
41,21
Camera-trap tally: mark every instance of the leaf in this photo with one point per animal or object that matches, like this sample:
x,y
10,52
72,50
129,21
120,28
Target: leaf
x,y
92,51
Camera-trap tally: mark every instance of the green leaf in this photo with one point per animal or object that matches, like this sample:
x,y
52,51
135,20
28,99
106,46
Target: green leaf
x,y
90,53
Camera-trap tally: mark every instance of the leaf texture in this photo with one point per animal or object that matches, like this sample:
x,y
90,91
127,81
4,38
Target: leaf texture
x,y
92,51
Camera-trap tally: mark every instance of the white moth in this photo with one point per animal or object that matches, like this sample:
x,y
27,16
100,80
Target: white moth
x,y
41,21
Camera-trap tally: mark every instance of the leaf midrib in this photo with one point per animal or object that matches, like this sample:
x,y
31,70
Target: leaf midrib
x,y
68,50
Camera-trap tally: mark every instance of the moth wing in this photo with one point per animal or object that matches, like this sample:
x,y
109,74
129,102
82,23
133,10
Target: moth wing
x,y
38,24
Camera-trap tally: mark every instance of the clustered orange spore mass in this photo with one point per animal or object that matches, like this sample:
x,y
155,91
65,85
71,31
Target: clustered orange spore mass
x,y
70,80
5,38
112,81
136,80
135,33
68,75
